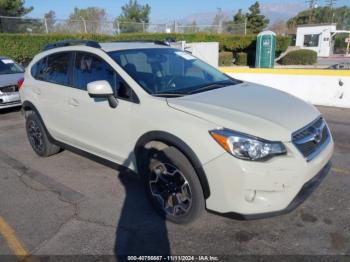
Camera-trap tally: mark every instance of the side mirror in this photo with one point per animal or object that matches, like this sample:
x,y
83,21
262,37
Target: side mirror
x,y
102,89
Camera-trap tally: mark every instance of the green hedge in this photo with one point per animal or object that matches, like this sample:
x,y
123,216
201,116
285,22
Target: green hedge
x,y
241,59
282,44
340,45
299,57
22,47
225,58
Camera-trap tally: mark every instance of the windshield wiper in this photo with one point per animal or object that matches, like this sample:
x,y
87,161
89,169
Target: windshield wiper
x,y
211,87
169,94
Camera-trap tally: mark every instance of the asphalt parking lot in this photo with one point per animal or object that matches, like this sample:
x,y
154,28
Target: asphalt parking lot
x,y
70,205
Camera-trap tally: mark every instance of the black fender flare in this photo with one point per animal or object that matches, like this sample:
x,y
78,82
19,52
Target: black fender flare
x,y
28,106
176,142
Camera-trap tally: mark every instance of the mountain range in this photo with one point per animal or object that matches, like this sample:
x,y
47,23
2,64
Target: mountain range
x,y
274,12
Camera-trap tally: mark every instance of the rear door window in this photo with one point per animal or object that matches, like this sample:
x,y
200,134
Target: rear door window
x,y
54,69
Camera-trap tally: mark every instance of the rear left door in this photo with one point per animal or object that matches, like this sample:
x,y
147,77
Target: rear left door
x,y
49,92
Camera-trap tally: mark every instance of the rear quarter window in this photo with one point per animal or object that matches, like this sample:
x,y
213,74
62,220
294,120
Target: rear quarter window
x,y
37,69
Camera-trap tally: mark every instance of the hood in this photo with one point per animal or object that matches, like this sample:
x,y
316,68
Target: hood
x,y
10,79
250,108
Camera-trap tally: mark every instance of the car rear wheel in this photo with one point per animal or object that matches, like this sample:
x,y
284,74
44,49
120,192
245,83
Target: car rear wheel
x,y
173,186
38,137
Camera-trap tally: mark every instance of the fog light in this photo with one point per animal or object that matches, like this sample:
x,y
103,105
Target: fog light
x,y
250,195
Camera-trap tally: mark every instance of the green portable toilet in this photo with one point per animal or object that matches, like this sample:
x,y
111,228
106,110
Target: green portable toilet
x,y
265,50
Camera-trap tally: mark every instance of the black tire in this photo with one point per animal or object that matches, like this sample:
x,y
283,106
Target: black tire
x,y
38,137
184,210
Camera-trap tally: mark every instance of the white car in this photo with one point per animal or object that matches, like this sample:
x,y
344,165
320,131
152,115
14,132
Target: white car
x,y
200,139
11,75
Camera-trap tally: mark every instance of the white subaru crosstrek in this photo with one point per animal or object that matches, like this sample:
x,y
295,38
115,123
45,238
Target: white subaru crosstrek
x,y
199,138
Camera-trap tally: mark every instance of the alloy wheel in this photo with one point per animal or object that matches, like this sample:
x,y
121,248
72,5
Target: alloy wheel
x,y
171,189
35,136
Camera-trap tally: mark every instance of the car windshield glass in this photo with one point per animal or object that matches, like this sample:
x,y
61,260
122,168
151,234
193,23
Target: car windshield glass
x,y
170,72
8,66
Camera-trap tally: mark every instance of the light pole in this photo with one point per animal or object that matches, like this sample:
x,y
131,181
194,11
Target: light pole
x,y
312,5
348,46
331,4
46,26
118,28
84,22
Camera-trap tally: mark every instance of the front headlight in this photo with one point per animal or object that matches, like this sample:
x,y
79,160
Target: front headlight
x,y
247,147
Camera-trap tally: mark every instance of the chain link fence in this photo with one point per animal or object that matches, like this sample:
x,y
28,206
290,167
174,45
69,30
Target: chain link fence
x,y
37,25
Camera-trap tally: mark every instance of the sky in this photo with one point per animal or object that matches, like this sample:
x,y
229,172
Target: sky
x,y
164,10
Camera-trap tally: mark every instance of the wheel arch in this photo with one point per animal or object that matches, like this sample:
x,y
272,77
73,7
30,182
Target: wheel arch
x,y
28,106
168,139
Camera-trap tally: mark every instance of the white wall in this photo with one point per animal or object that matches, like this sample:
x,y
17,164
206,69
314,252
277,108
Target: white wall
x,y
208,52
316,89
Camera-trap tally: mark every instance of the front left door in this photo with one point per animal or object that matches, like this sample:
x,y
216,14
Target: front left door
x,y
95,126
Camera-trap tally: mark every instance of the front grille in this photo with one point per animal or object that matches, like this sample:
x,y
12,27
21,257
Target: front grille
x,y
9,89
311,139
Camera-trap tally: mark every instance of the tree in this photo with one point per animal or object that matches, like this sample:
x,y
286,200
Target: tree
x,y
191,28
237,25
256,22
134,17
239,17
14,8
89,19
50,20
218,21
279,27
319,15
89,14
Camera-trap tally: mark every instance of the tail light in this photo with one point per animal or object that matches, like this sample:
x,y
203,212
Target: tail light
x,y
20,82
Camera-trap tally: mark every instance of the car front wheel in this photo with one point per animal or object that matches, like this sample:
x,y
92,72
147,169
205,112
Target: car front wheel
x,y
173,186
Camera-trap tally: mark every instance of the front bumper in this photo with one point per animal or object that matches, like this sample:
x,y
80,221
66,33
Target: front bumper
x,y
252,190
303,194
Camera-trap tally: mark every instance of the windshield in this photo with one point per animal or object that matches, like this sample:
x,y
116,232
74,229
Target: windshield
x,y
8,66
167,71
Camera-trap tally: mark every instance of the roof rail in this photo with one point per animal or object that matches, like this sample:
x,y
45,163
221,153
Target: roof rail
x,y
165,42
63,43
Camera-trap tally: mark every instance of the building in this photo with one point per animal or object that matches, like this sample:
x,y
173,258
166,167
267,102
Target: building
x,y
319,38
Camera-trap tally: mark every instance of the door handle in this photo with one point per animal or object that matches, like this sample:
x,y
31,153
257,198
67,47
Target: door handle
x,y
73,102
